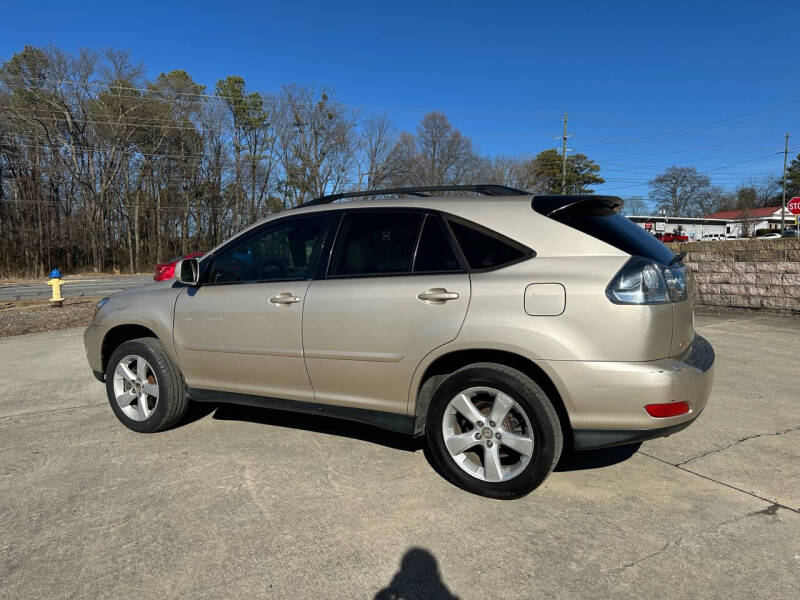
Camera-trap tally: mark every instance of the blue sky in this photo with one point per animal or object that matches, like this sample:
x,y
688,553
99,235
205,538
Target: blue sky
x,y
503,72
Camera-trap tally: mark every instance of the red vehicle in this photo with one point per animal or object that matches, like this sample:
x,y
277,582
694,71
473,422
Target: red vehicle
x,y
166,270
672,237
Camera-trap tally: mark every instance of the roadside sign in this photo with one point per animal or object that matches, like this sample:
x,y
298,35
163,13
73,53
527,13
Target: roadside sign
x,y
648,226
794,205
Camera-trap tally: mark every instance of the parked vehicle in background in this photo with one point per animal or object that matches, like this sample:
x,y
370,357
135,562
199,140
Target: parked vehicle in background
x,y
769,236
672,237
791,232
712,236
166,270
500,330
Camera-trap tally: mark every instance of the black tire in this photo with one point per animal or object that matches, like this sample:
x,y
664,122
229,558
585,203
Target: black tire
x,y
172,401
547,435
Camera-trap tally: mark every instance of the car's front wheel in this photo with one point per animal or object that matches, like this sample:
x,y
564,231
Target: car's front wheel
x,y
144,387
493,431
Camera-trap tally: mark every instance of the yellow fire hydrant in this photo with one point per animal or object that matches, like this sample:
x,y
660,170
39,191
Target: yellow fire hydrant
x,y
56,282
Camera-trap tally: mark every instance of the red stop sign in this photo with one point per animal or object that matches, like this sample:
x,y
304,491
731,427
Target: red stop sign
x,y
794,205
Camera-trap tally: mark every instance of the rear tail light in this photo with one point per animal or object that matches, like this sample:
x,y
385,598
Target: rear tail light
x,y
643,281
671,409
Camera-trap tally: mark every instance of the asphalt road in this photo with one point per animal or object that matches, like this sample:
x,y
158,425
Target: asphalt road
x,y
74,288
243,503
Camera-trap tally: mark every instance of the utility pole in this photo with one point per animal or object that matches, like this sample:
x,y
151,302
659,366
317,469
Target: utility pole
x,y
785,156
564,159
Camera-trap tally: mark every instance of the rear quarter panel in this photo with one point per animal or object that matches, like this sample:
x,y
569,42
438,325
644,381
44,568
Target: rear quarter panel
x,y
591,326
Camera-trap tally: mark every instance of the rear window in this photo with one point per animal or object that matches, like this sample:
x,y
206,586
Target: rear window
x,y
602,220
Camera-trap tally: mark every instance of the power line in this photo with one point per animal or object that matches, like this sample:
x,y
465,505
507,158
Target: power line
x,y
743,162
695,127
123,121
112,86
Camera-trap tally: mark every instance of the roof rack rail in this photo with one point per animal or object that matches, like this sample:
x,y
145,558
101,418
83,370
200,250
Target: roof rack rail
x,y
486,190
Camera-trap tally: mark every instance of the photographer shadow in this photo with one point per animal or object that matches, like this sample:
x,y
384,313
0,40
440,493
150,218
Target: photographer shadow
x,y
418,578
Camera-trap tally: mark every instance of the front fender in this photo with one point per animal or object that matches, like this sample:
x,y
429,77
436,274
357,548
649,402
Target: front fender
x,y
151,307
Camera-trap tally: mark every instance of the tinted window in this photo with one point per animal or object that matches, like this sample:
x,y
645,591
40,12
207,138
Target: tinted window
x,y
484,251
283,251
599,217
620,232
376,243
434,253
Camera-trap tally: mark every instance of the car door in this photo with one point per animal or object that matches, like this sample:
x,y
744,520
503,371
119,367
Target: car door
x,y
241,329
394,291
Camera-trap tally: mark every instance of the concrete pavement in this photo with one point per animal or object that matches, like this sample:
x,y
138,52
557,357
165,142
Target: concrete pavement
x,y
241,503
75,287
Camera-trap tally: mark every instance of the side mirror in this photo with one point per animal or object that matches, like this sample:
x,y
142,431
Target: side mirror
x,y
188,271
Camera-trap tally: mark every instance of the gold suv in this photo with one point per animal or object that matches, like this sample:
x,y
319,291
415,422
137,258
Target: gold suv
x,y
499,327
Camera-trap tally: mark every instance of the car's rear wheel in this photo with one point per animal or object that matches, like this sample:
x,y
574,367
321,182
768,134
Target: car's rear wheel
x,y
493,431
144,387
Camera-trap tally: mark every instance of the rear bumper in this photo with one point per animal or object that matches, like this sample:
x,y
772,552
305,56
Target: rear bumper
x,y
606,400
591,439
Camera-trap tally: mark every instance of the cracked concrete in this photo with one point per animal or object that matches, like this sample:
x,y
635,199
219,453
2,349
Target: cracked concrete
x,y
243,503
744,439
770,510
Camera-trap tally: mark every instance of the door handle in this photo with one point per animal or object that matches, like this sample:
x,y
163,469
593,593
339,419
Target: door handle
x,y
437,296
284,298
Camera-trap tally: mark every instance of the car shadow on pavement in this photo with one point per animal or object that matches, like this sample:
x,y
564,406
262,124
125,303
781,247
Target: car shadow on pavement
x,y
418,577
573,460
194,412
318,423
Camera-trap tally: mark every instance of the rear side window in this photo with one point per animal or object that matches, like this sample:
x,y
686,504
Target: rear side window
x,y
485,251
376,243
434,253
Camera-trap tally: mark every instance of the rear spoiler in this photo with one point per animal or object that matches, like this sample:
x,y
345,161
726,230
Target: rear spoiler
x,y
563,205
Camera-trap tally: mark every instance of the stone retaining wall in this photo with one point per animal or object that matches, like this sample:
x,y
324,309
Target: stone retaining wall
x,y
760,274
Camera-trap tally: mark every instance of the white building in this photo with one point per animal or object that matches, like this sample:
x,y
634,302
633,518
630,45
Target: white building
x,y
747,222
734,223
693,227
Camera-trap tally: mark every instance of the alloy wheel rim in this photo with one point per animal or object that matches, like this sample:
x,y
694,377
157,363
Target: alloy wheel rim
x,y
487,434
135,387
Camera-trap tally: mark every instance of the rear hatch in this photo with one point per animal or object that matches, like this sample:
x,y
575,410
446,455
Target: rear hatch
x,y
600,217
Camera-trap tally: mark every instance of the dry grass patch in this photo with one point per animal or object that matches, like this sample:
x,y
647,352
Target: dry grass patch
x,y
18,317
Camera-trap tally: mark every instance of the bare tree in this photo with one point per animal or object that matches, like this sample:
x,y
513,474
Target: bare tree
x,y
681,191
437,154
635,205
767,190
374,158
746,198
316,139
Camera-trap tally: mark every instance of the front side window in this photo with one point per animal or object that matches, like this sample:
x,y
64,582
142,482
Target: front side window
x,y
375,243
283,251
